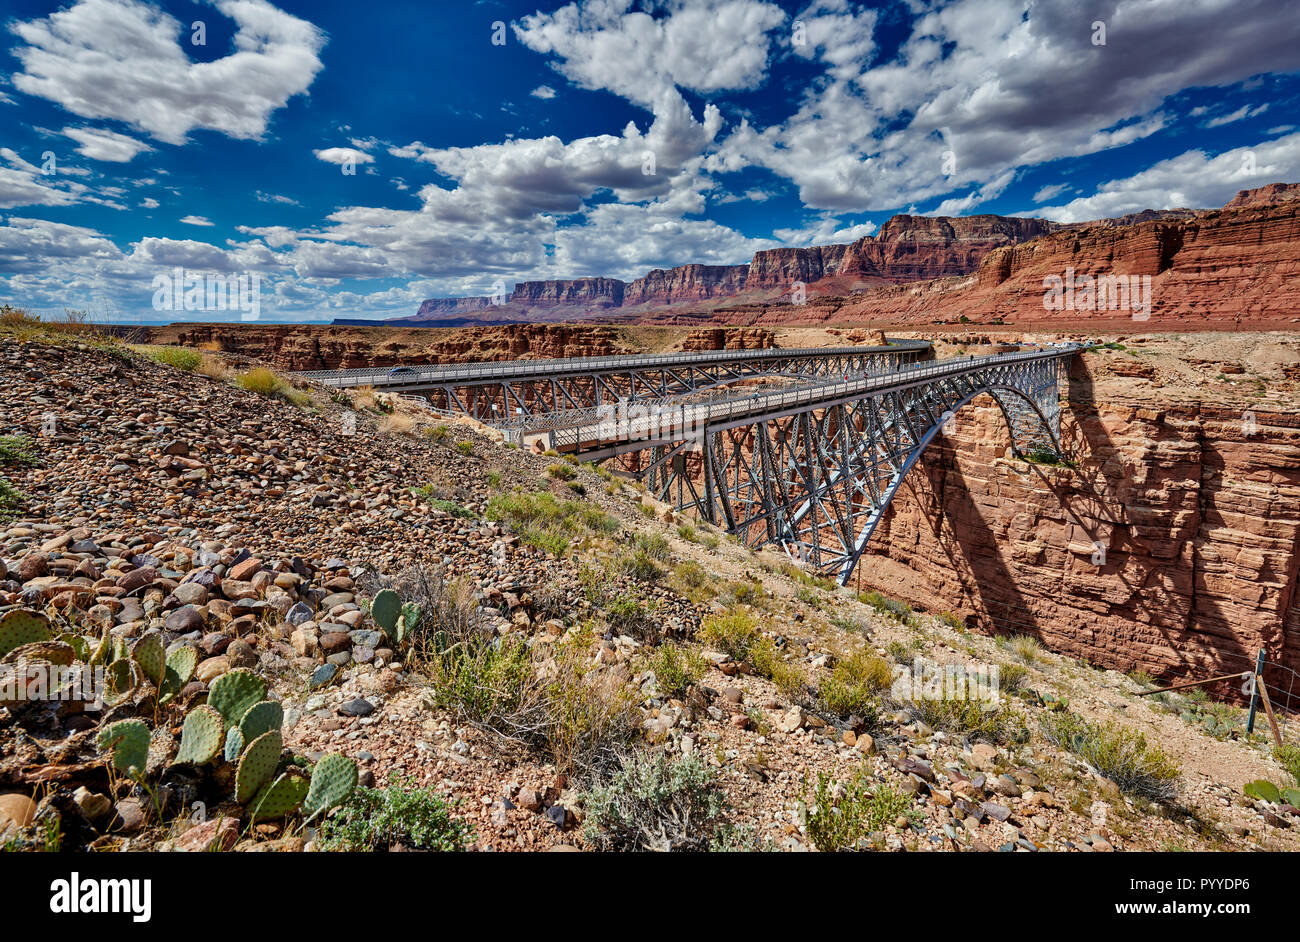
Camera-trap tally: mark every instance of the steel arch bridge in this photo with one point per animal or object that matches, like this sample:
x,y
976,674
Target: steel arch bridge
x,y
814,468
505,393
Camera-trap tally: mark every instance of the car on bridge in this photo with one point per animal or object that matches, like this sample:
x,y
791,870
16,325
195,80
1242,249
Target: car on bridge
x,y
400,371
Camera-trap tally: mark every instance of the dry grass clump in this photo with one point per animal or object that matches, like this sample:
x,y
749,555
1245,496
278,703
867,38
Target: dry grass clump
x,y
397,423
269,385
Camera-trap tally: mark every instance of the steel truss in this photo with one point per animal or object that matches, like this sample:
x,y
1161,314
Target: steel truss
x,y
509,393
817,479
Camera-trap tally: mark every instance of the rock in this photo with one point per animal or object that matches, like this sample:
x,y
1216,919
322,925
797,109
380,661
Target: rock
x,y
995,811
865,744
190,593
792,720
333,642
357,707
92,804
17,808
130,816
530,799
212,668
219,834
241,654
32,566
184,620
322,676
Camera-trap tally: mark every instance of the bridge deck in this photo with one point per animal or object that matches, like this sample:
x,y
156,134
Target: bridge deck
x,y
617,434
435,375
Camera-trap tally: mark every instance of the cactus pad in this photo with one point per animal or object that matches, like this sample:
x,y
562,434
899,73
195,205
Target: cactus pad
x,y
54,652
280,797
234,692
22,627
200,737
1291,796
103,649
1264,790
332,781
234,744
183,658
257,765
385,608
120,681
149,653
261,718
128,741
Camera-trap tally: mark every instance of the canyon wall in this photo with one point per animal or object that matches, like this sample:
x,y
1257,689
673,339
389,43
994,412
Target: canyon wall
x,y
1197,515
311,347
915,248
686,283
780,268
585,292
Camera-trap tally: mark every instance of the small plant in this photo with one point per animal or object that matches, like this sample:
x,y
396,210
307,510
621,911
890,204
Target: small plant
x,y
654,804
629,615
263,382
676,668
639,565
10,498
734,632
652,545
838,816
465,448
176,357
892,608
18,451
971,717
687,532
1026,648
767,662
1289,756
562,472
1120,754
437,433
854,685
397,816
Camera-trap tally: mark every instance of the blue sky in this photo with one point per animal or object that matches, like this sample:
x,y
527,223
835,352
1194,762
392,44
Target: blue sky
x,y
592,138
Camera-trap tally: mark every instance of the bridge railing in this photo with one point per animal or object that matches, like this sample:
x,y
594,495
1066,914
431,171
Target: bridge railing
x,y
614,428
492,370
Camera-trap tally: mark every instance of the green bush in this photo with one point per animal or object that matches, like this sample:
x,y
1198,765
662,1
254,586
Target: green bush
x,y
653,545
630,616
686,532
465,448
397,816
884,605
639,565
18,451
1289,756
654,804
177,357
970,717
437,433
854,685
486,683
767,662
546,523
263,382
676,668
734,632
10,498
840,815
1120,754
562,472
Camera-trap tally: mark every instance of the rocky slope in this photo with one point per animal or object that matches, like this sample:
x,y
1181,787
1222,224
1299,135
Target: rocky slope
x,y
916,248
250,528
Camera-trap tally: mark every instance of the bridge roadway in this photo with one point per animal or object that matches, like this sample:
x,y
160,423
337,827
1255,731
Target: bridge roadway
x,y
597,434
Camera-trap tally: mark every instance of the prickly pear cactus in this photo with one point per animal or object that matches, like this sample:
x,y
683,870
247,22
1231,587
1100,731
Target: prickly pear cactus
x,y
128,742
234,692
120,681
1264,790
1291,796
54,652
281,797
80,648
386,609
332,781
261,718
200,737
183,658
234,744
20,627
410,618
103,649
257,765
151,656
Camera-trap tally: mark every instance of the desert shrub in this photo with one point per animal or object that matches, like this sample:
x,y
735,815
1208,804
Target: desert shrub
x,y
854,685
1120,754
465,448
262,381
970,717
1011,677
687,532
562,472
546,523
486,683
396,423
437,433
175,357
839,815
676,668
18,451
397,816
10,498
745,592
1289,756
1024,647
733,632
653,545
767,662
710,542
628,615
589,717
639,565
899,651
691,574
494,480
884,605
451,507
656,804
949,620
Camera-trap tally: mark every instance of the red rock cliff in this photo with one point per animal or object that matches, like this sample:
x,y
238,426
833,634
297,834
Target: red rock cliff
x,y
780,268
686,283
593,292
914,248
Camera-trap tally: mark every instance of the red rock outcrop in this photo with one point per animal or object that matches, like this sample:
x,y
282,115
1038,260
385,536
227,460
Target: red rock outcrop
x,y
590,292
780,268
735,338
312,347
1174,548
1273,194
686,283
915,248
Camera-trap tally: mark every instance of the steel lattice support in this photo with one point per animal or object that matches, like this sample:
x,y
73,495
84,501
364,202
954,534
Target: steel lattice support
x,y
817,480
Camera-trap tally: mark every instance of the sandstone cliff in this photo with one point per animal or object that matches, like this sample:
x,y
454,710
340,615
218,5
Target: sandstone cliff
x,y
780,268
588,292
914,248
686,283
